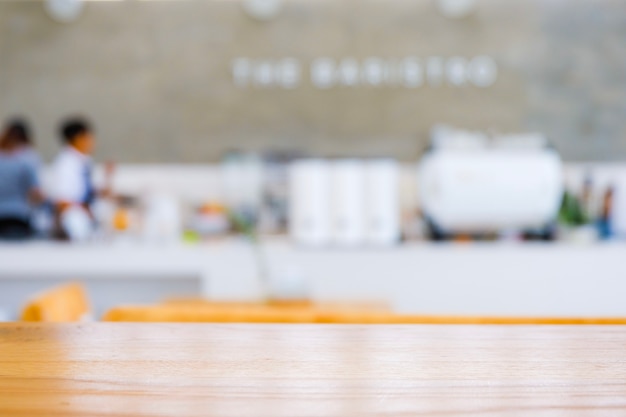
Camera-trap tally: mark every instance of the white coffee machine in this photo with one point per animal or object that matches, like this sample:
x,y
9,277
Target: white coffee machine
x,y
474,184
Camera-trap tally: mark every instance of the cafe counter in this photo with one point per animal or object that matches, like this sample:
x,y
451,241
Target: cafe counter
x,y
462,279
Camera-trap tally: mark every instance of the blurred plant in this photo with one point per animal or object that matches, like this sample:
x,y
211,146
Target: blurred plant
x,y
572,212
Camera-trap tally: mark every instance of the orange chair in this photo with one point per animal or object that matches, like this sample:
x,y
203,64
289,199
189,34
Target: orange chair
x,y
209,314
66,303
379,306
376,318
268,314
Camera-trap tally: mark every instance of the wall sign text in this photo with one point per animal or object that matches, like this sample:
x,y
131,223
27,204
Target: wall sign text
x,y
327,73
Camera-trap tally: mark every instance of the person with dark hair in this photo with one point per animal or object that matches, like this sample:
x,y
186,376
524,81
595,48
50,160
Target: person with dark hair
x,y
19,187
20,131
74,189
26,149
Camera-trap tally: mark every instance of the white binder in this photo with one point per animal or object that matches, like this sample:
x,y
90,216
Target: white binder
x,y
348,202
382,202
309,206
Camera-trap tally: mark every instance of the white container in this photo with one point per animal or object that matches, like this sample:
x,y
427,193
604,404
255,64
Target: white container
x,y
77,224
242,178
618,206
162,221
347,184
382,202
309,206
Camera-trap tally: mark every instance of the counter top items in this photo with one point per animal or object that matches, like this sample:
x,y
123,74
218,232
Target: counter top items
x,y
210,219
140,370
162,218
309,205
77,224
618,210
347,202
465,176
382,202
592,212
490,189
241,181
344,202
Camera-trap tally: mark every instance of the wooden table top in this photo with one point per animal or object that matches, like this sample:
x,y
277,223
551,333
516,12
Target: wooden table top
x,y
115,369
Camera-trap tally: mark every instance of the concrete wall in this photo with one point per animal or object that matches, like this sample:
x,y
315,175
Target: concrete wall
x,y
156,76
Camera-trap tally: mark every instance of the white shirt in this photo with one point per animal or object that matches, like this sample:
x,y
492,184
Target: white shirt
x,y
70,180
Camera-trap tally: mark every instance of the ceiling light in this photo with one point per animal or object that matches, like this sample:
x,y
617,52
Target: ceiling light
x,y
456,9
64,11
263,9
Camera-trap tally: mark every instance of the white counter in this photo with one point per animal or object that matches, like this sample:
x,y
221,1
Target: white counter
x,y
499,279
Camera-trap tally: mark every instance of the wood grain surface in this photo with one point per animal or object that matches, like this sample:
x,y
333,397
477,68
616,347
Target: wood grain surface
x,y
124,369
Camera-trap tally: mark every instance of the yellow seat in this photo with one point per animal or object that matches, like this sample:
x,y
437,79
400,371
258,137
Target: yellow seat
x,y
207,313
381,318
326,305
66,303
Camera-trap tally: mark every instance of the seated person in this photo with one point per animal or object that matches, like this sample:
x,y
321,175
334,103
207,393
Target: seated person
x,y
26,148
74,190
42,215
19,188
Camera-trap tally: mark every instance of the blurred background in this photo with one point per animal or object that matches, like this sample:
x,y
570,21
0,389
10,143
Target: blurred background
x,y
440,156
